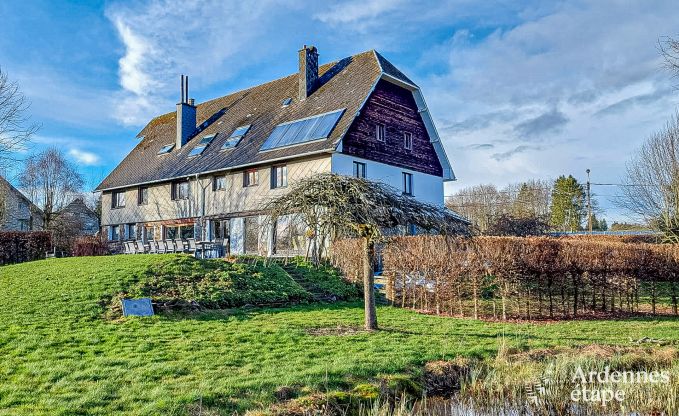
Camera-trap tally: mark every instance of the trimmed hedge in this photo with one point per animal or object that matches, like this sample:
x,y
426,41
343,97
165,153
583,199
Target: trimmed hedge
x,y
90,245
19,246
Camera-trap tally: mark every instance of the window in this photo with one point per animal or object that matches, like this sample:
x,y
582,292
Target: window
x,y
131,231
302,130
115,232
143,195
286,102
279,177
250,177
219,183
251,235
202,144
380,132
187,231
23,206
408,141
23,225
166,149
359,170
407,183
235,137
171,233
118,199
180,190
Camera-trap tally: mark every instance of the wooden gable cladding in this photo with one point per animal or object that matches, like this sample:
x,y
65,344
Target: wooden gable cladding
x,y
395,108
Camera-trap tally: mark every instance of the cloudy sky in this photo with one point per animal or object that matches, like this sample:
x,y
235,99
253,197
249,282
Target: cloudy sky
x,y
518,90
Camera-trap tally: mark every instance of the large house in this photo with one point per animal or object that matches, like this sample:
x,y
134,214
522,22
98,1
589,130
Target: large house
x,y
204,170
17,212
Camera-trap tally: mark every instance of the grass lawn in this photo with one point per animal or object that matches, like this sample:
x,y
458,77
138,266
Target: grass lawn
x,y
61,356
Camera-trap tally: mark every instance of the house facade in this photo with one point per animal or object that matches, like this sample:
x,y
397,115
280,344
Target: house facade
x,y
205,170
17,212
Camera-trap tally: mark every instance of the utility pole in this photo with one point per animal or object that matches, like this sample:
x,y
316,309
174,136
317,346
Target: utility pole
x,y
589,205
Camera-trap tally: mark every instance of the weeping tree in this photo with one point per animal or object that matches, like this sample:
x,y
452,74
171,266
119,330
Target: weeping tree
x,y
335,206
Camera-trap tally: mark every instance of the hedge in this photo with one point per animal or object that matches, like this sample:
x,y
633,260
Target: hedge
x,y
17,247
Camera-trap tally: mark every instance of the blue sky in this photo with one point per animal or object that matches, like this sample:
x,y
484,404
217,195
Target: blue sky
x,y
518,90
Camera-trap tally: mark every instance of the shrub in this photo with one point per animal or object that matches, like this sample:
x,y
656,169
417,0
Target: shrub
x,y
90,245
186,282
17,247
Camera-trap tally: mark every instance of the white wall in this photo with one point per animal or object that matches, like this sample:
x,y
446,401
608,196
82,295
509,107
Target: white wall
x,y
426,188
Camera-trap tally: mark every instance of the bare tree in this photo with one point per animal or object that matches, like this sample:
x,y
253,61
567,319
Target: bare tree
x,y
335,206
51,181
669,49
651,188
16,127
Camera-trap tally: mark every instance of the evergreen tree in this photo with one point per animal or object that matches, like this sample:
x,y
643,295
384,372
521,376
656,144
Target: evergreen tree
x,y
568,204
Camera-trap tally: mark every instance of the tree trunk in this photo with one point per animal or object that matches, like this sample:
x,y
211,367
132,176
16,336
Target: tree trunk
x,y
369,286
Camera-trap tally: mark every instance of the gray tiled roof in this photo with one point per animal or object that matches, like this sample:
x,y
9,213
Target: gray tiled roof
x,y
343,84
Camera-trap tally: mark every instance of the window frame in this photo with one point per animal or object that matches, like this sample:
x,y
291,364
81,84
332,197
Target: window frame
x,y
143,195
380,132
116,202
176,195
274,176
246,177
407,140
215,182
407,184
113,234
363,168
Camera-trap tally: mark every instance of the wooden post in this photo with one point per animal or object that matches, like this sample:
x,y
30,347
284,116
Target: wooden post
x,y
369,286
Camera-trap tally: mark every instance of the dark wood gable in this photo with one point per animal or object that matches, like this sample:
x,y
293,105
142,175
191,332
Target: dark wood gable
x,y
395,108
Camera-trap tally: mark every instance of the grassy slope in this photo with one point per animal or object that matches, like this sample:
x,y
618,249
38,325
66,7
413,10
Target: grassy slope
x,y
60,357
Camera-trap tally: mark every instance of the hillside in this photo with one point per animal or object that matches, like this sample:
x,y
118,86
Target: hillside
x,y
63,355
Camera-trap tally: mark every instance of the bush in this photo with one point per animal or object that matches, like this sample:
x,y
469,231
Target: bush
x,y
186,282
90,246
322,280
17,247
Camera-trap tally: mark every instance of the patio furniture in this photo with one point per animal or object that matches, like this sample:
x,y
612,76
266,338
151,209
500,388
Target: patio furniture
x,y
53,254
192,245
140,249
180,246
162,248
169,246
153,247
129,249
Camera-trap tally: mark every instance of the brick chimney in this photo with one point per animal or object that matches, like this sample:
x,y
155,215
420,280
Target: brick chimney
x,y
186,115
308,71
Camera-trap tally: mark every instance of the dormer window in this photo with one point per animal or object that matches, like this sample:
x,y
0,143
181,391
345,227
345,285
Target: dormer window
x,y
166,149
380,132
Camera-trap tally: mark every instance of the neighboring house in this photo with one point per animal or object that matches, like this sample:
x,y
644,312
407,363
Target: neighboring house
x,y
17,213
81,218
204,170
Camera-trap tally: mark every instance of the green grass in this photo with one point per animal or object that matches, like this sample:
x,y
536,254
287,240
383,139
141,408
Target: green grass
x,y
61,356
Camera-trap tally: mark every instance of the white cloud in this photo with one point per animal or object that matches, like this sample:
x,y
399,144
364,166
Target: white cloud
x,y
358,11
579,87
83,157
163,39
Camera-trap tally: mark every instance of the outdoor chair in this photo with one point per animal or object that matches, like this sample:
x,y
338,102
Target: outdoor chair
x,y
169,245
140,247
153,247
192,245
162,249
180,246
129,249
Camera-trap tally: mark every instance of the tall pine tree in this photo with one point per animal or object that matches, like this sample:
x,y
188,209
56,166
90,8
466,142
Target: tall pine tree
x,y
568,204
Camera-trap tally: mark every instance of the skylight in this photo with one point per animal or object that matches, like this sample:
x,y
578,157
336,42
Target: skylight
x,y
235,137
302,131
286,102
240,131
202,144
166,149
